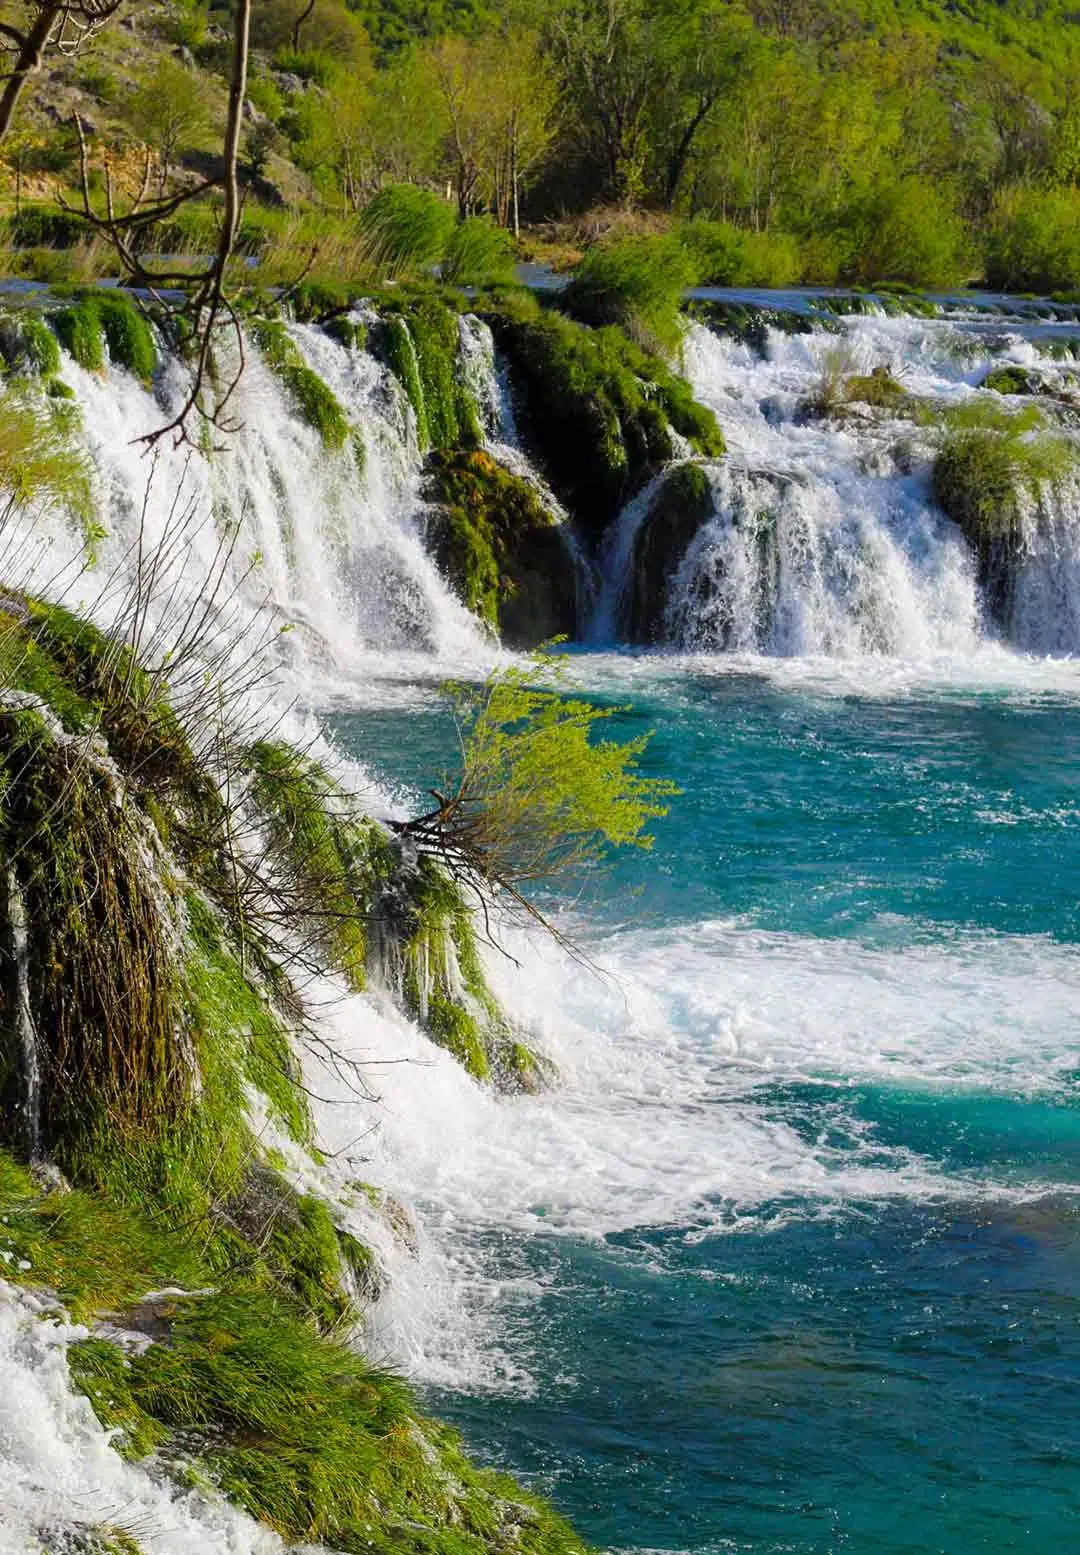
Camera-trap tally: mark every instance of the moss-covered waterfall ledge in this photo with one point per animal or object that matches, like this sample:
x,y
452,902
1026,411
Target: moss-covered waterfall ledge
x,y
514,530
152,1101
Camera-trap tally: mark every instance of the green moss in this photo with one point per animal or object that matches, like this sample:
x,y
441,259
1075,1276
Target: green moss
x,y
314,400
156,1017
29,346
226,1005
441,978
596,410
333,859
347,333
104,997
127,334
420,340
100,318
80,332
495,541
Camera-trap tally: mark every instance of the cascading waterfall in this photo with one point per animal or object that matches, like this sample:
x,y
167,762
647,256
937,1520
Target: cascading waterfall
x,y
824,539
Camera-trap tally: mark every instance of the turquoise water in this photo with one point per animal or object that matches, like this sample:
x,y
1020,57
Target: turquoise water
x,y
856,939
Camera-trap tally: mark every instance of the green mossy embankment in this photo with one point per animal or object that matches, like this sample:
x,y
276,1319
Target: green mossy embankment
x,y
682,504
164,1032
315,402
430,956
419,337
500,547
596,411
102,324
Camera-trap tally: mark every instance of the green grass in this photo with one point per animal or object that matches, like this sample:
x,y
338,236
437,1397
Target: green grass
x,y
406,229
637,284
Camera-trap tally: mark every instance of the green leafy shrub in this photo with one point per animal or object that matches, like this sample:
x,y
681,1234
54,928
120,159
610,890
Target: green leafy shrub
x,y
479,253
725,255
537,796
1033,240
636,283
406,229
309,64
910,231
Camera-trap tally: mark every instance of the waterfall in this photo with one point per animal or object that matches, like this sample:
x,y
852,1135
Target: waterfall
x,y
824,539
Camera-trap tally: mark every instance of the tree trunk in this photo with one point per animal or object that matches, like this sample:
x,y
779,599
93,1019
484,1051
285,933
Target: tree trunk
x,y
299,22
30,56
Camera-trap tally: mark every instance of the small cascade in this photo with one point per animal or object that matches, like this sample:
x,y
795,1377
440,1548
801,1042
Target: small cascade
x,y
823,538
1045,614
789,567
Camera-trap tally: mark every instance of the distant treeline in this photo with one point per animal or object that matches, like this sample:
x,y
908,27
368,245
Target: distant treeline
x,y
848,140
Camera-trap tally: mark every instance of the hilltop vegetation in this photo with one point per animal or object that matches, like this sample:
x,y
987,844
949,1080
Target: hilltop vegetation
x,y
922,141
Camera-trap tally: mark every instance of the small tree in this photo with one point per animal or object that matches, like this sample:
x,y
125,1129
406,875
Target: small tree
x,y
537,797
168,112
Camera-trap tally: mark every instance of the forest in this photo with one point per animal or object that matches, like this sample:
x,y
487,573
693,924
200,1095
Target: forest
x,y
782,141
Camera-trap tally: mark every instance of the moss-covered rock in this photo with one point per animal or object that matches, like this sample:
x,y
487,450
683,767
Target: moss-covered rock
x,y
425,939
500,547
98,319
990,467
682,504
1012,379
315,401
419,338
596,411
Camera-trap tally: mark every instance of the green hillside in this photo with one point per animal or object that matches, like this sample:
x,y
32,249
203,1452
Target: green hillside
x,y
853,141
